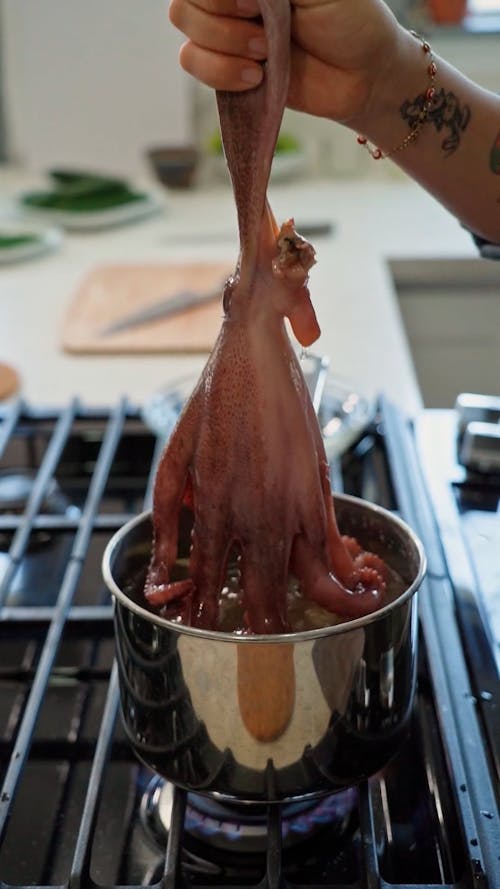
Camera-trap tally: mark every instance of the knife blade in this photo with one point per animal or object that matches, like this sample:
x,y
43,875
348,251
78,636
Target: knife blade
x,y
318,229
163,308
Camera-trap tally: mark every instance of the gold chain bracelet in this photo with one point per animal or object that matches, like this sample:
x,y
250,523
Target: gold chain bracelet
x,y
417,124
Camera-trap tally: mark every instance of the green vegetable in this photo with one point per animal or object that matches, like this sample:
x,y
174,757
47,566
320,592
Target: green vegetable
x,y
287,144
82,192
81,204
8,241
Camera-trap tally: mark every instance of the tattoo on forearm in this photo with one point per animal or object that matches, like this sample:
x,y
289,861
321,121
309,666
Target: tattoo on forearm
x,y
446,113
495,155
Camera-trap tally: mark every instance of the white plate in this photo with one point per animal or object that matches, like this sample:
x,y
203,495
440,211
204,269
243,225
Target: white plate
x,y
93,220
48,239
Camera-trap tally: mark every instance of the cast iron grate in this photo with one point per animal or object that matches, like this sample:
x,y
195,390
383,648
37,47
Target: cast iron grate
x,y
72,792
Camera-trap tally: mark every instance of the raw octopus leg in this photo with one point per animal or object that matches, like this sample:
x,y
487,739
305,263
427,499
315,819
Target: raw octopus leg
x,y
247,453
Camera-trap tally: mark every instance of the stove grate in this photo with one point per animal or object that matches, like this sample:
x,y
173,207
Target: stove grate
x,y
71,788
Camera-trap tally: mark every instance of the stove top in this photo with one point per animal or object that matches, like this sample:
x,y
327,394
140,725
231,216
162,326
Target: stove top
x,y
77,809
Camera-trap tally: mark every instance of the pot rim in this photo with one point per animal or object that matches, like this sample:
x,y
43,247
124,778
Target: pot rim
x,y
280,638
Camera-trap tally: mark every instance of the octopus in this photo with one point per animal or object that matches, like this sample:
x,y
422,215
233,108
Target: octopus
x,y
247,456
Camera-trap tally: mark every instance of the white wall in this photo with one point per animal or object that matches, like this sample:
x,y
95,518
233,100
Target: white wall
x,y
92,82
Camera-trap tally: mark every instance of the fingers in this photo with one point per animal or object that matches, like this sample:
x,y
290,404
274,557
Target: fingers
x,y
248,8
220,71
224,48
220,33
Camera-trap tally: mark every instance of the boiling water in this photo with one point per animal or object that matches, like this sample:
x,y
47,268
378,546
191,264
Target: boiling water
x,y
303,614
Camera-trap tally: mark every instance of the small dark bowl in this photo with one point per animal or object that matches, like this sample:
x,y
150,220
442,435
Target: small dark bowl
x,y
175,167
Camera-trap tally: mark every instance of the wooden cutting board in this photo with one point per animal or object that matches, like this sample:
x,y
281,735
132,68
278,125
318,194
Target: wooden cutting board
x,y
110,292
9,381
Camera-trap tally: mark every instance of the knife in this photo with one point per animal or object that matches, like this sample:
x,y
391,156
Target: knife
x,y
163,308
307,230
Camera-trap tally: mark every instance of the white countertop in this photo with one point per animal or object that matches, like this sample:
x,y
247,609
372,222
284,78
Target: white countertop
x,y
351,285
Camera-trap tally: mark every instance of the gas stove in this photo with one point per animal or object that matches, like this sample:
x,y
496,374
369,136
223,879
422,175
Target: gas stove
x,y
77,809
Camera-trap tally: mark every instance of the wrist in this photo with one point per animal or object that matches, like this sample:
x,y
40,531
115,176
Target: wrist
x,y
407,76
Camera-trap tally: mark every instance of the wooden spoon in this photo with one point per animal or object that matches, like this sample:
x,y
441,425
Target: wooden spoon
x,y
266,688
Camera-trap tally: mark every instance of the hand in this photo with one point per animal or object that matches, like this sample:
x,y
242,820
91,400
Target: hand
x,y
342,50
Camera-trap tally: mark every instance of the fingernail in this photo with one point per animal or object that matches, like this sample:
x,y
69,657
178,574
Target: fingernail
x,y
248,6
258,46
252,76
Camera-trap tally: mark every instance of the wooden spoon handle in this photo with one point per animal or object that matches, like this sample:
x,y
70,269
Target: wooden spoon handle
x,y
266,688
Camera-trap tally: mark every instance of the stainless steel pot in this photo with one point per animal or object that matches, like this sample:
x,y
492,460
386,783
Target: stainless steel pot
x,y
268,718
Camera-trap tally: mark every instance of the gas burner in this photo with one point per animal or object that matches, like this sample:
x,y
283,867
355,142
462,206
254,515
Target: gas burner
x,y
243,829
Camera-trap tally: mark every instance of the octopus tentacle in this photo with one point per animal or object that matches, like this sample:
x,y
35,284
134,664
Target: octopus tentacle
x,y
172,485
159,594
208,568
339,558
264,614
250,123
323,587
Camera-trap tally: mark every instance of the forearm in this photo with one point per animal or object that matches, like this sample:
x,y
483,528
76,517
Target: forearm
x,y
353,63
456,155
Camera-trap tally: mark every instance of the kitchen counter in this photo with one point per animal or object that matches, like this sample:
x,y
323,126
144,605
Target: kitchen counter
x,y
352,287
